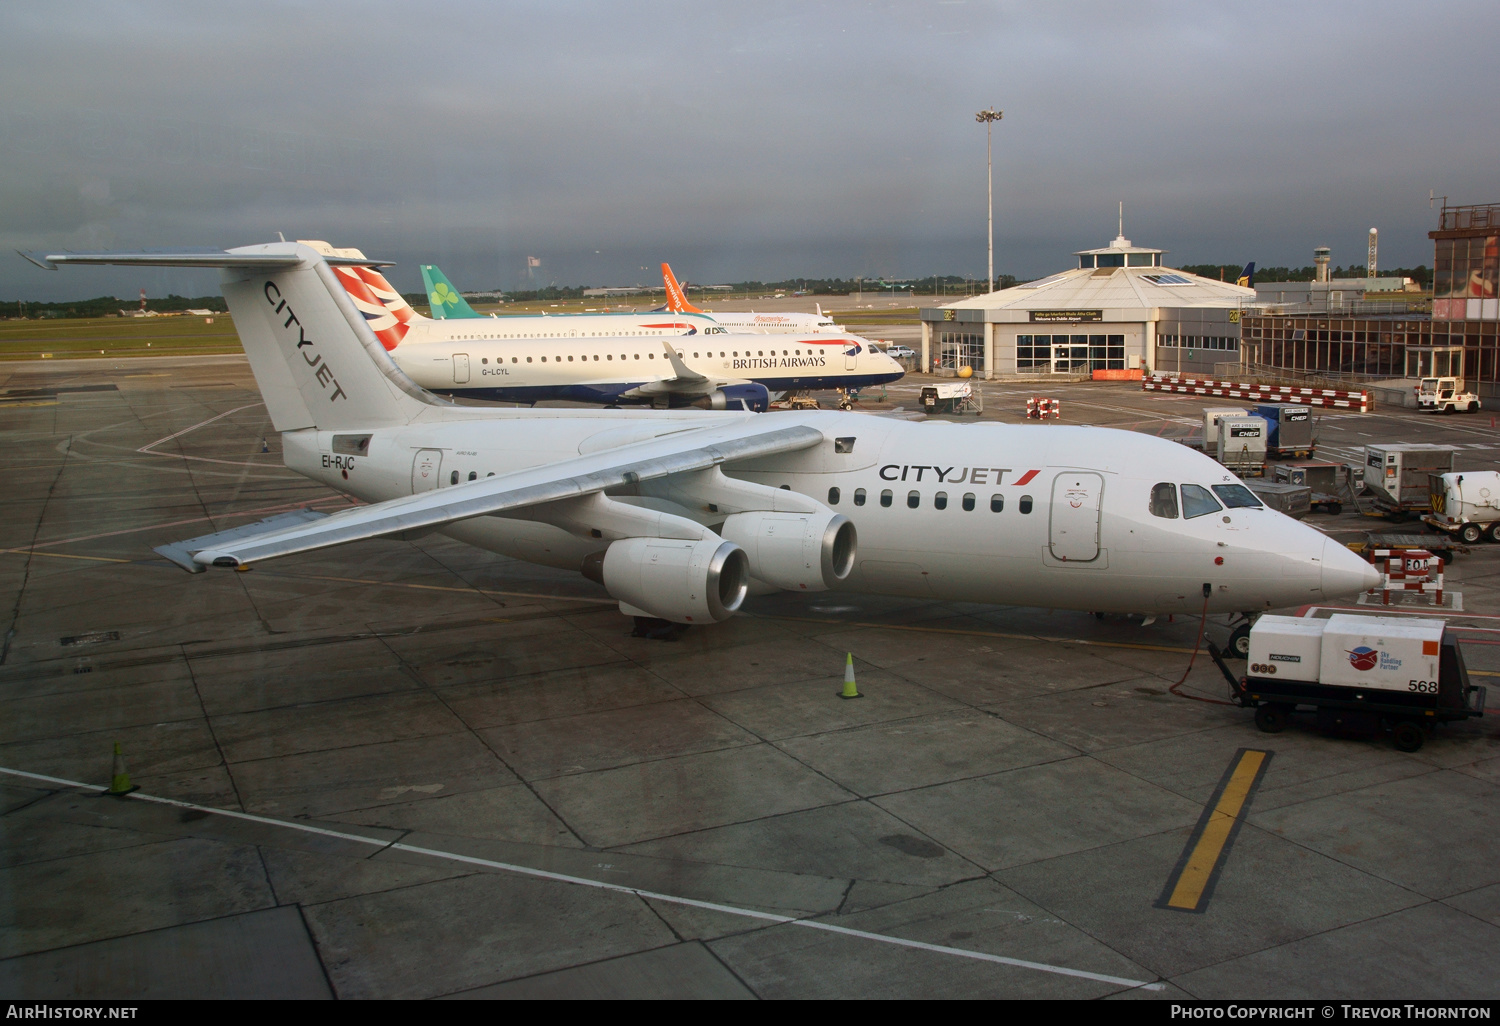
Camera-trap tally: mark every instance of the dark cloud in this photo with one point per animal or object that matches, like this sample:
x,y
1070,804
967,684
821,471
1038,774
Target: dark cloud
x,y
747,141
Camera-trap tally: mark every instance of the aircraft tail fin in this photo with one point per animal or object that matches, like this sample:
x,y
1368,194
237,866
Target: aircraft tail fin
x,y
446,302
676,299
314,351
1247,276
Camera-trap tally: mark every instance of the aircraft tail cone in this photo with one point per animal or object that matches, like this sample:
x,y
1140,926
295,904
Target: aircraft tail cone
x,y
850,691
119,780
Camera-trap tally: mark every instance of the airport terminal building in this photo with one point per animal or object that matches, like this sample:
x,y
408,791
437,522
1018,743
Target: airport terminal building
x,y
1117,314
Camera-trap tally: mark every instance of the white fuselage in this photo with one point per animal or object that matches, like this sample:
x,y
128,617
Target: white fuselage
x,y
775,323
1046,516
494,359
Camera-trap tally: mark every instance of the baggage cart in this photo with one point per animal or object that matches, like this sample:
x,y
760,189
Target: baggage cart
x,y
1398,476
1293,500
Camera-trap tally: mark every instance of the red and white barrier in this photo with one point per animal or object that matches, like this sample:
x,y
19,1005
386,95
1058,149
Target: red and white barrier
x,y
1038,408
1328,397
1408,570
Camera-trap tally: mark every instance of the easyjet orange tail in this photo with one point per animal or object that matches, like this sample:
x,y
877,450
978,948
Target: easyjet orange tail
x,y
676,298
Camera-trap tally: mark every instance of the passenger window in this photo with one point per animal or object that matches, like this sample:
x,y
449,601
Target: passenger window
x,y
1164,500
859,496
1196,502
833,496
1025,504
453,478
1237,497
473,475
913,499
997,502
968,502
940,500
885,497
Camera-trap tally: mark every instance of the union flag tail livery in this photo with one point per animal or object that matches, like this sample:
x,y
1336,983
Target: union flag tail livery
x,y
676,299
389,315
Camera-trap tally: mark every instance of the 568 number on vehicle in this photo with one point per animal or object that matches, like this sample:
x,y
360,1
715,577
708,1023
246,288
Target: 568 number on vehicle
x,y
1424,687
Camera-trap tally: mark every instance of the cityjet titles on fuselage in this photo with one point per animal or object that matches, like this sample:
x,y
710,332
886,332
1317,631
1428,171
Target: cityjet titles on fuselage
x,y
953,475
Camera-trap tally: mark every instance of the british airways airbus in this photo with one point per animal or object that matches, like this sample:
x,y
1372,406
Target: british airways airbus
x,y
662,360
679,515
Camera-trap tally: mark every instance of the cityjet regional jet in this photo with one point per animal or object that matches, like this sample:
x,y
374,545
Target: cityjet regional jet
x,y
748,320
662,360
678,515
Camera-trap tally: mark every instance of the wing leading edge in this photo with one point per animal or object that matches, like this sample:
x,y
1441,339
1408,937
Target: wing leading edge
x,y
573,478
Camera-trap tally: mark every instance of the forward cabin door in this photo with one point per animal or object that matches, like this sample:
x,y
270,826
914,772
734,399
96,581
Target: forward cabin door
x,y
1074,516
425,470
460,368
850,356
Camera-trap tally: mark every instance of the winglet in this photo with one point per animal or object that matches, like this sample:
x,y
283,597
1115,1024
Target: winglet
x,y
38,259
443,299
683,372
676,298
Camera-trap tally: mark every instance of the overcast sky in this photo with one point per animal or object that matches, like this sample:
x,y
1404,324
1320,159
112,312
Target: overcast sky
x,y
735,141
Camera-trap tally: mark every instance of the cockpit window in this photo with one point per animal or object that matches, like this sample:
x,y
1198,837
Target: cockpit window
x,y
1197,501
1164,500
1237,497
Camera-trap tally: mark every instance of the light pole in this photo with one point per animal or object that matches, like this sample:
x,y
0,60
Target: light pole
x,y
988,119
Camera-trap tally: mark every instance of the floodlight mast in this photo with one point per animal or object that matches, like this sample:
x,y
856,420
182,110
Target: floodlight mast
x,y
988,119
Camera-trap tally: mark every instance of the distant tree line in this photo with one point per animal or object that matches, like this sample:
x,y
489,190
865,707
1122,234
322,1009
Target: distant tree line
x,y
1421,274
109,306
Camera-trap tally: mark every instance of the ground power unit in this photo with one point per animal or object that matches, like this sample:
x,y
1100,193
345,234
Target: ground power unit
x,y
1359,674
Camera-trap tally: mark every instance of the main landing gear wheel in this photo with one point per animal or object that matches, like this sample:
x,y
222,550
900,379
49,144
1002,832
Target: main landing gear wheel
x,y
1271,719
1408,736
1470,533
1239,642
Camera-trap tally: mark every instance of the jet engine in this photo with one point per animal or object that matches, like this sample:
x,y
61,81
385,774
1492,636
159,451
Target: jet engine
x,y
683,581
751,396
795,551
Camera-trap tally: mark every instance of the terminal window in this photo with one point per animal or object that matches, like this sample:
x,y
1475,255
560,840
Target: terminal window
x,y
1069,354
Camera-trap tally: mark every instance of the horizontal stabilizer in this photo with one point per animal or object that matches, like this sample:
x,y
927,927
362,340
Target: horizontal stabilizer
x,y
680,453
217,258
181,552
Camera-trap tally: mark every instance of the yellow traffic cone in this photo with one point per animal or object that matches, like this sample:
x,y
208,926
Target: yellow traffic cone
x,y
849,689
119,781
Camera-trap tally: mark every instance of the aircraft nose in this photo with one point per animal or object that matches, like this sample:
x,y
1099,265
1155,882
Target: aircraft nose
x,y
1345,573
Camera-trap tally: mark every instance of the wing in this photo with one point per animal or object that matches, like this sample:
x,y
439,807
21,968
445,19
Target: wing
x,y
684,452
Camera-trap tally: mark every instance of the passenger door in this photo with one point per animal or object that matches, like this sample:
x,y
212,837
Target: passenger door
x,y
1074,516
425,470
850,356
460,368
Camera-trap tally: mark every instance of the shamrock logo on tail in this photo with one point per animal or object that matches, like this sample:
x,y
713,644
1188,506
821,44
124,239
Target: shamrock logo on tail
x,y
442,295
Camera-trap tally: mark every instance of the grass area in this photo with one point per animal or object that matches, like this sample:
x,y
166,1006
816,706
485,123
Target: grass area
x,y
889,315
116,336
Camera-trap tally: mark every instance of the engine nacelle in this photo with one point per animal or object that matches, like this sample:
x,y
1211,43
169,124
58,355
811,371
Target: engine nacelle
x,y
795,551
751,396
682,581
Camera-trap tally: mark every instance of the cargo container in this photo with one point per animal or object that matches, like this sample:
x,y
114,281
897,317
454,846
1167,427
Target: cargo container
x,y
1211,415
1291,428
1293,500
1466,505
1398,475
1328,481
1360,674
1242,445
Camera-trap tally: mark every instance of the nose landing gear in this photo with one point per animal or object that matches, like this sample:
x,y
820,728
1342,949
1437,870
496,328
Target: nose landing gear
x,y
1239,637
